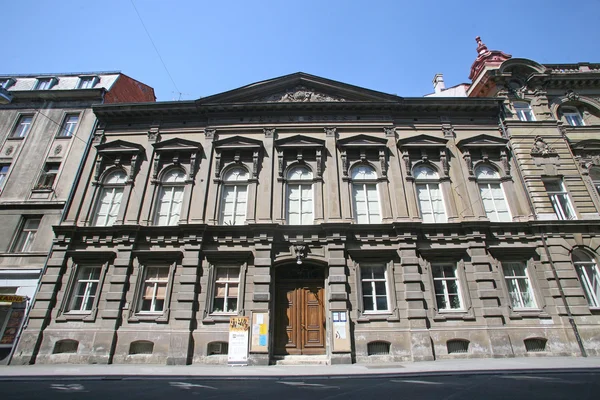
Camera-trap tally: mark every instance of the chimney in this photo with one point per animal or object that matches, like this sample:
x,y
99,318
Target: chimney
x,y
438,83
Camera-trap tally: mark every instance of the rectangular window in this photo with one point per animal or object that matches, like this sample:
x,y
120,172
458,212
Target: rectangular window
x,y
233,205
447,289
374,288
169,206
43,84
431,203
154,291
5,83
366,203
22,127
48,176
524,111
68,127
3,173
518,284
108,206
590,280
560,200
227,282
27,234
300,207
494,202
87,82
85,289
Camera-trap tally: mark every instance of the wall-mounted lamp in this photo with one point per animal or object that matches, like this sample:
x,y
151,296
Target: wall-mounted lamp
x,y
300,250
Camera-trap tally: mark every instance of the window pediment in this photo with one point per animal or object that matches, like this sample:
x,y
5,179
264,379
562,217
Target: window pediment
x,y
590,145
362,141
238,143
421,141
299,141
119,147
482,141
177,145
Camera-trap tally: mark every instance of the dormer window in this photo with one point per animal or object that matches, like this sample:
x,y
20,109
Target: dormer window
x,y
5,83
573,116
87,82
45,83
523,111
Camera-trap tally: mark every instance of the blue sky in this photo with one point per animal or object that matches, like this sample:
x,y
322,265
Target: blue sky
x,y
213,46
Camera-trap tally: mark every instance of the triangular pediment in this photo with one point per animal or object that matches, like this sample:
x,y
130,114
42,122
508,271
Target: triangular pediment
x,y
299,141
422,141
298,88
591,145
237,143
482,140
177,144
362,141
120,146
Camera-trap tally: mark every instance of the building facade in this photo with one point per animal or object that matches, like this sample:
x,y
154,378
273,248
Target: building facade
x,y
45,131
355,225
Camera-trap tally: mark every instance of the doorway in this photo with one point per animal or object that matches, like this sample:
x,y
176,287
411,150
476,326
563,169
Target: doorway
x,y
299,311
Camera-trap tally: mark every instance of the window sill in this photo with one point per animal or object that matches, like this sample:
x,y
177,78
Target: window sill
x,y
213,318
23,254
42,190
445,315
16,138
62,137
368,317
142,316
77,316
520,313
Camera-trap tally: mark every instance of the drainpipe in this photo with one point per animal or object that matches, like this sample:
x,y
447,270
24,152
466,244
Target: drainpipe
x,y
62,218
546,249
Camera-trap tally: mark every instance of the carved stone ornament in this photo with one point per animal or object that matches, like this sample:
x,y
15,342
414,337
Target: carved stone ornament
x,y
571,95
407,163
58,149
269,132
468,161
541,148
330,132
300,94
153,132
389,131
9,150
210,133
448,130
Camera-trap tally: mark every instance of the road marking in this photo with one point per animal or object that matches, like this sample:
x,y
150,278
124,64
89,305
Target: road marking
x,y
188,386
307,385
413,381
68,388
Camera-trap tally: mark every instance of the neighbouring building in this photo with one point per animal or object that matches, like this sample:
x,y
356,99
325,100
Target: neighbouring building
x,y
356,226
45,132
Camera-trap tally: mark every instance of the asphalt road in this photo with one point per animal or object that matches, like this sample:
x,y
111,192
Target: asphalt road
x,y
563,385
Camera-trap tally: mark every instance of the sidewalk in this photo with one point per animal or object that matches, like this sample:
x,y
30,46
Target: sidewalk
x,y
423,368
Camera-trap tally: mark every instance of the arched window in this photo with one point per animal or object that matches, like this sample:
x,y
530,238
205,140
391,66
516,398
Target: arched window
x,y
109,201
587,269
595,177
431,201
300,196
492,194
572,115
234,197
364,195
523,110
168,207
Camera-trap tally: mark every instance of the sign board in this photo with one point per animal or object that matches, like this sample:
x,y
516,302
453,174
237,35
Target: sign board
x,y
341,331
239,328
11,298
260,332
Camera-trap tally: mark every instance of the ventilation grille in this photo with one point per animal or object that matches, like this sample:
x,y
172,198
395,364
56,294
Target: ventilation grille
x,y
378,348
535,344
457,346
216,348
66,346
141,347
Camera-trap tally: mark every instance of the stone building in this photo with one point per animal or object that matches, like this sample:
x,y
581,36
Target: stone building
x,y
45,131
358,226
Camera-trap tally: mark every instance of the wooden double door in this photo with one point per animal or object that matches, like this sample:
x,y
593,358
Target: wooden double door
x,y
299,318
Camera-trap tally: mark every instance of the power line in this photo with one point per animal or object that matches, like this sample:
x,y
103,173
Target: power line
x,y
156,49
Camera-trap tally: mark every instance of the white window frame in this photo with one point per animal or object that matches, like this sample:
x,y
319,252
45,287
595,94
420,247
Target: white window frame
x,y
26,235
301,184
588,282
22,127
154,281
524,111
68,128
227,281
44,83
561,211
365,184
87,82
169,189
446,293
3,174
86,283
572,116
486,183
372,281
235,183
114,189
427,183
5,83
517,280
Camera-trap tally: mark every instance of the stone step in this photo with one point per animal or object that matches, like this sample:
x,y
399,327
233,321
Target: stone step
x,y
301,360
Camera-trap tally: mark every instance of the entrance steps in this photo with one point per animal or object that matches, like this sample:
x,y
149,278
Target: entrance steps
x,y
301,360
